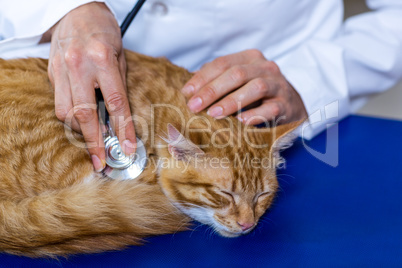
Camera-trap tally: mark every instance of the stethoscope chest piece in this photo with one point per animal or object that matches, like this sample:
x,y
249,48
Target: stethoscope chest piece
x,y
118,165
122,167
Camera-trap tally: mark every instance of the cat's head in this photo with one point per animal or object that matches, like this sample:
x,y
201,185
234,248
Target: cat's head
x,y
227,185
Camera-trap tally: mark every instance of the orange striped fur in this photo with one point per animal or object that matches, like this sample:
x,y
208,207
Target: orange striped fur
x,y
53,203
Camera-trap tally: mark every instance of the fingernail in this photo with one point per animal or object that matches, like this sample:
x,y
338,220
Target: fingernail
x,y
98,165
240,118
195,104
128,147
215,111
189,89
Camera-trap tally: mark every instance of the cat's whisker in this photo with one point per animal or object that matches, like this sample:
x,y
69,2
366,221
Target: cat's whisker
x,y
284,174
181,224
266,219
280,189
193,230
211,231
280,178
258,228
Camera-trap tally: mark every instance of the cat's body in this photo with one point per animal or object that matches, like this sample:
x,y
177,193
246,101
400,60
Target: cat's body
x,y
53,203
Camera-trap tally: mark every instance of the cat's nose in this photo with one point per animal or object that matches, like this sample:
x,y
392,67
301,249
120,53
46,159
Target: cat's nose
x,y
245,225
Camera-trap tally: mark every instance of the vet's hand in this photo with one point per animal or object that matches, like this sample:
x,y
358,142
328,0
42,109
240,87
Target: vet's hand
x,y
235,81
86,53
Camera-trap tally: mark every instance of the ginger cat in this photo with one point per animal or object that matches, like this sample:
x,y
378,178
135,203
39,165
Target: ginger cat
x,y
53,203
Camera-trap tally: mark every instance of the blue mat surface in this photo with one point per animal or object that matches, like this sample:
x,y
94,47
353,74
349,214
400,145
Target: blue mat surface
x,y
346,216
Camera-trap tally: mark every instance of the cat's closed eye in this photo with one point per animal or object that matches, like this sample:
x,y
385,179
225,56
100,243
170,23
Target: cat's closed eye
x,y
260,197
228,195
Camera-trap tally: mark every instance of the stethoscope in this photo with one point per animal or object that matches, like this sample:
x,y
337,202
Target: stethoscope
x,y
118,165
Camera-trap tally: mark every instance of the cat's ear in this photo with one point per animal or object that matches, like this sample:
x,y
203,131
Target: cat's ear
x,y
180,147
282,137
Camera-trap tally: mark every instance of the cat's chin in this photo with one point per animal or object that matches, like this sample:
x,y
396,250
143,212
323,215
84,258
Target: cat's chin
x,y
225,233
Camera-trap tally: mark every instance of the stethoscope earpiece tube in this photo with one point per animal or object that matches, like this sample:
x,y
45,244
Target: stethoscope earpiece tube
x,y
103,114
130,16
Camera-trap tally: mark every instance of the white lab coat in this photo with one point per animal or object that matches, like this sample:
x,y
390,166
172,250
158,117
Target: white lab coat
x,y
333,65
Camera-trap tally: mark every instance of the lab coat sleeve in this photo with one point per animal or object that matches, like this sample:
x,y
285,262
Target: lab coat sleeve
x,y
23,22
333,76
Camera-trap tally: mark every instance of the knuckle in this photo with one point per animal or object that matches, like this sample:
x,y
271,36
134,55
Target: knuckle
x,y
260,86
231,104
72,58
275,110
255,53
102,55
210,92
115,102
54,68
238,73
55,63
199,79
84,114
221,63
203,67
271,67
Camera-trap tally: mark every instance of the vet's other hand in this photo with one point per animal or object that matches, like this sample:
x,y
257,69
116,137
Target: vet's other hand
x,y
235,81
86,53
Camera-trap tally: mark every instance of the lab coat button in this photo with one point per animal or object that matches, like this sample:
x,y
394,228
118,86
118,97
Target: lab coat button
x,y
159,8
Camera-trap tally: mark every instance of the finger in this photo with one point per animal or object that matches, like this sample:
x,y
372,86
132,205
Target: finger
x,y
113,90
228,81
85,110
62,95
246,83
85,113
64,105
267,111
212,70
250,93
